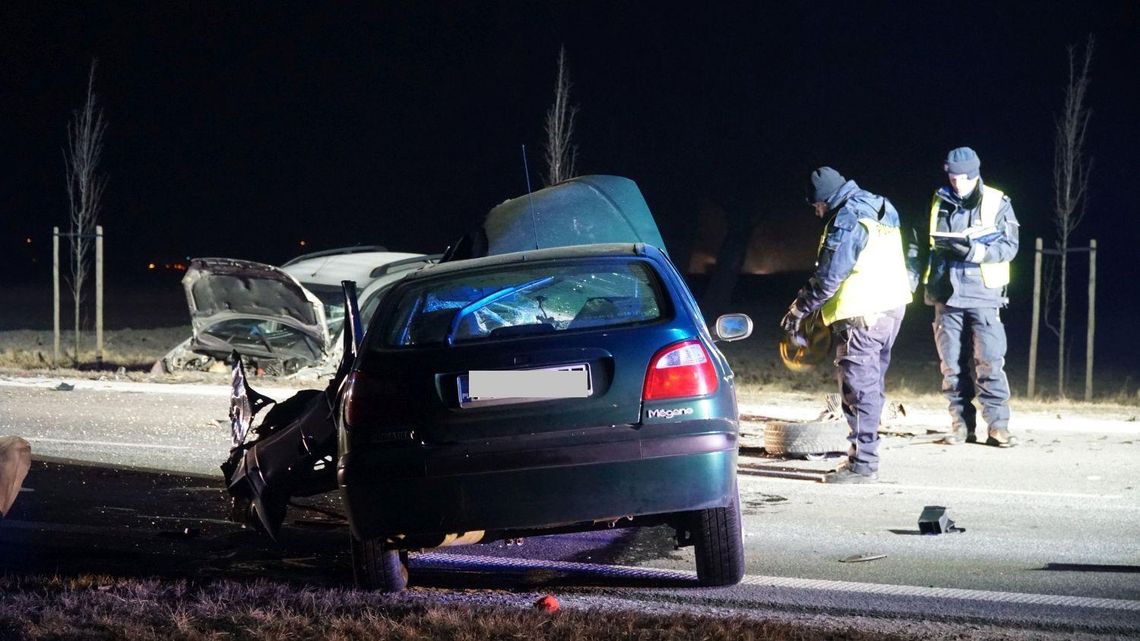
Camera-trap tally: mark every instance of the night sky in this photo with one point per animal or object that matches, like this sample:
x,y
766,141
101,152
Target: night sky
x,y
240,129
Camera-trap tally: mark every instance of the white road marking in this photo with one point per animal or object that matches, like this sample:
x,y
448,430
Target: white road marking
x,y
156,446
779,476
443,561
990,490
944,593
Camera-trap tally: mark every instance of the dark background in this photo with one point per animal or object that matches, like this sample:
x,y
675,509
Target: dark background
x,y
244,129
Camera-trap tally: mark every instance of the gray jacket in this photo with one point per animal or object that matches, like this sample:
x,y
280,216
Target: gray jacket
x,y
958,282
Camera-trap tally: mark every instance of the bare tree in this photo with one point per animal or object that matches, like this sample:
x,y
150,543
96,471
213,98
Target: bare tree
x,y
84,190
1071,169
561,154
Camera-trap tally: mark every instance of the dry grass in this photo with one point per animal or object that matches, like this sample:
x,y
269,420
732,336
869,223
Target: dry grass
x,y
131,349
97,607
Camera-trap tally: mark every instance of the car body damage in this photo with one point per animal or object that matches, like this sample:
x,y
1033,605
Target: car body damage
x,y
254,309
512,391
283,320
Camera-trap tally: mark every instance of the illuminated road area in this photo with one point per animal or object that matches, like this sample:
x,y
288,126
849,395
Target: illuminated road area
x,y
126,480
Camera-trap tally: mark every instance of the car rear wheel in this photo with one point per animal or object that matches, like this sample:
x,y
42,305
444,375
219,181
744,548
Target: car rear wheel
x,y
385,569
718,544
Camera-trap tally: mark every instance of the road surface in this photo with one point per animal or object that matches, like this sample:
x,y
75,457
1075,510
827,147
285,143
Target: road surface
x,y
126,481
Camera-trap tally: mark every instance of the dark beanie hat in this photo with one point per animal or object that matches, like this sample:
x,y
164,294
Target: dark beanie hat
x,y
823,184
963,160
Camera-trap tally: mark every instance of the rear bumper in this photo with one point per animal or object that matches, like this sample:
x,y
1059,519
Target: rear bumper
x,y
426,490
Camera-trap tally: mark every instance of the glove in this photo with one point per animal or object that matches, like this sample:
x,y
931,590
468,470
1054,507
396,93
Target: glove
x,y
956,247
791,321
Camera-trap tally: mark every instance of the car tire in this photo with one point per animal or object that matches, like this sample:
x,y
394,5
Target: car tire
x,y
385,569
804,439
718,544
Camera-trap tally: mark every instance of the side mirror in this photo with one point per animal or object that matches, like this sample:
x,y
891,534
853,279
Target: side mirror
x,y
733,327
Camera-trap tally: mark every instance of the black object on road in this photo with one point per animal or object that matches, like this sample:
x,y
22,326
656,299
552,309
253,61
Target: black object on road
x,y
933,520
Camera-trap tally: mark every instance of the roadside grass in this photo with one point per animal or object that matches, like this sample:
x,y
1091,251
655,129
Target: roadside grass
x,y
130,349
100,607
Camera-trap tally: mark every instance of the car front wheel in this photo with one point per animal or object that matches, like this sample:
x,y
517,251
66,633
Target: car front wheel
x,y
718,544
384,568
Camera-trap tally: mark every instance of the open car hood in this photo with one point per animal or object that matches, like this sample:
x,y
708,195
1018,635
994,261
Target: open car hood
x,y
256,309
579,211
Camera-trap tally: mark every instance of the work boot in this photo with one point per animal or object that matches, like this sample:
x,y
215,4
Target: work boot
x,y
847,476
1001,438
958,436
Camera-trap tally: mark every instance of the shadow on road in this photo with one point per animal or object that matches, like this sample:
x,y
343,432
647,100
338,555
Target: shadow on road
x,y
76,519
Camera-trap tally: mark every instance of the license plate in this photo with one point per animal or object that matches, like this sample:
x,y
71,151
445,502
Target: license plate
x,y
498,387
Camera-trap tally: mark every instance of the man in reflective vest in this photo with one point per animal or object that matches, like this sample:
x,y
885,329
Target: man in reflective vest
x,y
973,237
861,286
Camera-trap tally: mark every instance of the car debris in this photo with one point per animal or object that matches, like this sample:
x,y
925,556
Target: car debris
x,y
284,321
934,520
862,558
502,393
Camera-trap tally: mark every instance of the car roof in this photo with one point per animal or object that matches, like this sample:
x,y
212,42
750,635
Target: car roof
x,y
598,250
330,268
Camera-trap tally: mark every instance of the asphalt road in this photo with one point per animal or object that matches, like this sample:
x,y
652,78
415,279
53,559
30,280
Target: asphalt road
x,y
125,481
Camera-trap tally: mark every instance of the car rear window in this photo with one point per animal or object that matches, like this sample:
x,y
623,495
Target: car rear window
x,y
523,300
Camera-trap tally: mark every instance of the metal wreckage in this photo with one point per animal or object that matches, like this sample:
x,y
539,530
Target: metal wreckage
x,y
551,373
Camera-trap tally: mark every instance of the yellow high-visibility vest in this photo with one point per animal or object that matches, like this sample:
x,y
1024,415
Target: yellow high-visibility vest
x,y
994,275
877,283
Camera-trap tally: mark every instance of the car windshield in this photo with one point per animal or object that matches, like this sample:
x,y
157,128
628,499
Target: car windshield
x,y
264,336
332,298
524,299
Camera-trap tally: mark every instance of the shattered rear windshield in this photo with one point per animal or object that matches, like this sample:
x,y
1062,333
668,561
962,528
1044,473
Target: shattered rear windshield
x,y
525,300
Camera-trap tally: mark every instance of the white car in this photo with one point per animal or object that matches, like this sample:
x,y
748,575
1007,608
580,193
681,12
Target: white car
x,y
282,320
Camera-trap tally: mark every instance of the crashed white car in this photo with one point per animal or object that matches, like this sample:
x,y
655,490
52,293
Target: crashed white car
x,y
282,320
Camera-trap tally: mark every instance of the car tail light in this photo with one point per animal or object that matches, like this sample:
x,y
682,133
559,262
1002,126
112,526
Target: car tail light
x,y
680,370
368,400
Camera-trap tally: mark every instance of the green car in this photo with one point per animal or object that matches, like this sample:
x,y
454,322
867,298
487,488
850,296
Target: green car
x,y
525,391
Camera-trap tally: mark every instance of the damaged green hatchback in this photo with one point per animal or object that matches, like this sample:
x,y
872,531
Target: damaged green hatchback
x,y
548,390
558,389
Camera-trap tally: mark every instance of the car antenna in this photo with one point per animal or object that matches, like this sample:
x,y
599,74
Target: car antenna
x,y
530,198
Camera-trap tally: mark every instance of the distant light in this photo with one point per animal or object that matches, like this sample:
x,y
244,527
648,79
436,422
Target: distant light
x,y
150,265
303,243
28,241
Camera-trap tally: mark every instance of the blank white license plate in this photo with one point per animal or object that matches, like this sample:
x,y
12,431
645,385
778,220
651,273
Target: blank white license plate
x,y
505,386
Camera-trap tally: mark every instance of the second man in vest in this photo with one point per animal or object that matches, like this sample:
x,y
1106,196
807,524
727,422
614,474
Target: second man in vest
x,y
973,236
861,287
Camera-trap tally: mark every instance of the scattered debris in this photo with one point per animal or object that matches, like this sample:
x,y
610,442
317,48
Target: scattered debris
x,y
860,558
934,520
547,603
184,533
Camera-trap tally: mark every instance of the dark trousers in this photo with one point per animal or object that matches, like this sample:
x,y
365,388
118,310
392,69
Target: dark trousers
x,y
971,344
862,355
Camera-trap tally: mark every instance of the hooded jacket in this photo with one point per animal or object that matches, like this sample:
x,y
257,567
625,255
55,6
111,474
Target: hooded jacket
x,y
844,240
957,282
